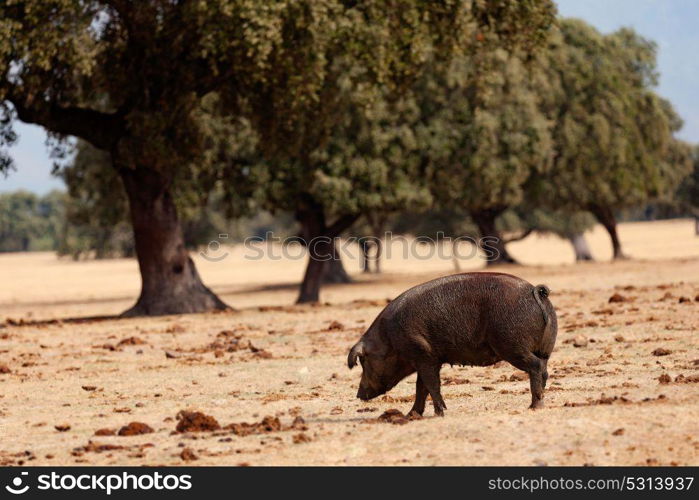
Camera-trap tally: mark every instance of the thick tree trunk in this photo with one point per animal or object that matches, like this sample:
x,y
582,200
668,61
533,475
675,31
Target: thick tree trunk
x,y
319,239
364,248
605,216
312,219
377,222
334,271
319,251
170,282
455,257
491,241
366,245
377,256
582,250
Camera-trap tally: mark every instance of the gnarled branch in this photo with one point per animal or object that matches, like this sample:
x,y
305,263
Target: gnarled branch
x,y
100,129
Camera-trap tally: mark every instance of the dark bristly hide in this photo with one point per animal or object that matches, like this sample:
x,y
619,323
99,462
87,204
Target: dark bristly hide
x,y
473,319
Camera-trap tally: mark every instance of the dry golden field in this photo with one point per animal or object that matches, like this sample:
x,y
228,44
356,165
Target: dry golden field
x,y
624,386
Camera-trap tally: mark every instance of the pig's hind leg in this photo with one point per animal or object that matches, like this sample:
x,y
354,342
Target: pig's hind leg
x,y
428,373
536,368
420,398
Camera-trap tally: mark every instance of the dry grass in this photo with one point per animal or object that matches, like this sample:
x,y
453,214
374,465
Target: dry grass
x,y
284,361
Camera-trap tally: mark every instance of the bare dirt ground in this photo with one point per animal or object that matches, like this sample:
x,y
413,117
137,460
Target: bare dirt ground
x,y
624,386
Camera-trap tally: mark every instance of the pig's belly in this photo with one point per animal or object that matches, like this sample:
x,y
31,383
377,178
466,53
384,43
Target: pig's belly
x,y
480,356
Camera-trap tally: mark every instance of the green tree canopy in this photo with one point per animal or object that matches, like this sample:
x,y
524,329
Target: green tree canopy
x,y
30,222
129,76
613,136
485,136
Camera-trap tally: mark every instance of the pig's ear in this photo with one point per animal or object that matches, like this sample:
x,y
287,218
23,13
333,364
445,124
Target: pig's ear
x,y
355,353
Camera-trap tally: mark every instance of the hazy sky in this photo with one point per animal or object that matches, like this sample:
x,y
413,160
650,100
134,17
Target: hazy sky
x,y
671,23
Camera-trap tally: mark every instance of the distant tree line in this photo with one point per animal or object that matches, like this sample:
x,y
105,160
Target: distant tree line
x,y
488,116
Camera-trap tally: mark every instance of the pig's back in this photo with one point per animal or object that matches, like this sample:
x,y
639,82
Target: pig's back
x,y
456,290
456,314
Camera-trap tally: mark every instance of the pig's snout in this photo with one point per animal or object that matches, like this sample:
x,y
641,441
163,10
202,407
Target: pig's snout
x,y
365,393
362,394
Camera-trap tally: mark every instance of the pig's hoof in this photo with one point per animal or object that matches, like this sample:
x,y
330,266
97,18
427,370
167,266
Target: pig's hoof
x,y
536,406
414,414
439,410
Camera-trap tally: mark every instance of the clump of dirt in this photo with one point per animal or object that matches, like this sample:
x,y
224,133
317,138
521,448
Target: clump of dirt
x,y
396,417
273,308
266,425
691,379
228,341
666,296
664,379
334,326
301,438
661,351
105,432
93,447
131,341
386,398
196,421
188,455
617,297
659,398
260,353
89,388
603,400
393,416
4,369
580,341
358,303
684,300
135,429
62,427
231,341
618,432
174,328
603,312
455,381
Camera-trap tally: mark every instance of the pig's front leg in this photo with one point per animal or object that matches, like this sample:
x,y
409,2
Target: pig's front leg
x,y
429,374
420,398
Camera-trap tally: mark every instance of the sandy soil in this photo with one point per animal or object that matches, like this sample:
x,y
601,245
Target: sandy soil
x,y
628,396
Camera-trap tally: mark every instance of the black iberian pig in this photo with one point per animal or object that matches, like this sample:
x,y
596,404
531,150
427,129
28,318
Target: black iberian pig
x,y
464,319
